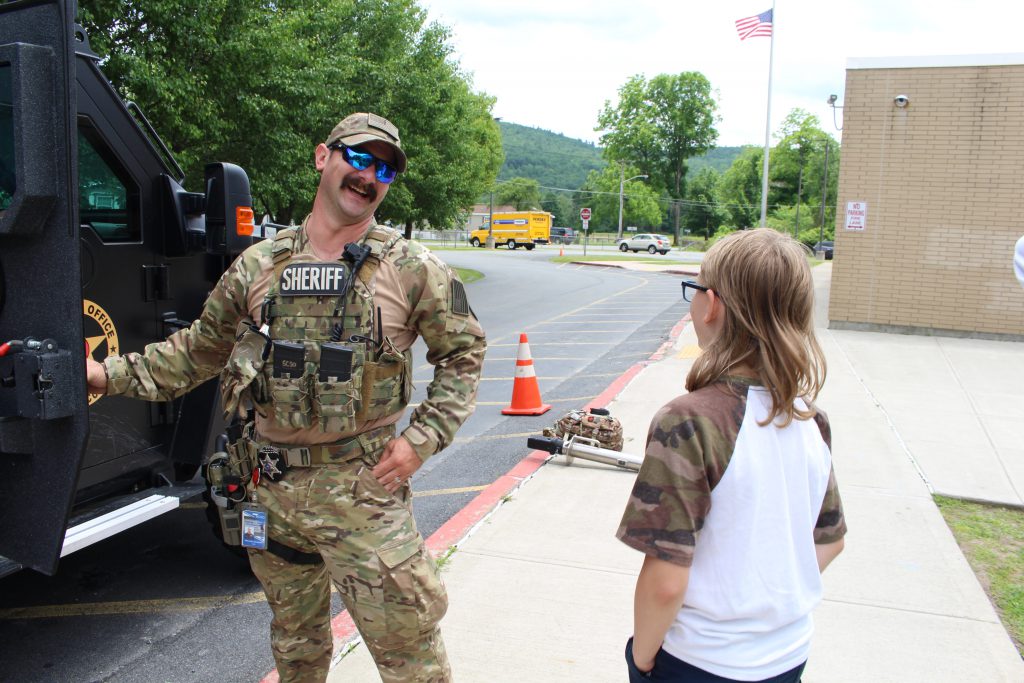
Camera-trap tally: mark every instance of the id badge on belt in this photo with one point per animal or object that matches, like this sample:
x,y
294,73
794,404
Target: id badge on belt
x,y
254,526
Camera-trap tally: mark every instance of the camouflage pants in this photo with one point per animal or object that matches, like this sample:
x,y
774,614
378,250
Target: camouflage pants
x,y
376,559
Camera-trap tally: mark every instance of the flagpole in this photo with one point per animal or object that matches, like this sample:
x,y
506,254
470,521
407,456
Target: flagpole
x,y
767,128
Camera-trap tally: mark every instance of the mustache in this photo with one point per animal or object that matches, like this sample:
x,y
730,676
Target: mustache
x,y
352,180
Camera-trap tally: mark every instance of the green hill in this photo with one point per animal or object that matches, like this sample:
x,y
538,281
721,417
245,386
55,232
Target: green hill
x,y
555,160
551,159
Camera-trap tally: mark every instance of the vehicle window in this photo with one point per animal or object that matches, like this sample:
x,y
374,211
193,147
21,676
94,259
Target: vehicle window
x,y
8,183
107,199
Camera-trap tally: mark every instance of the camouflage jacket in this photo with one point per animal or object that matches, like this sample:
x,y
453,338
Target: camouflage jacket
x,y
689,447
419,294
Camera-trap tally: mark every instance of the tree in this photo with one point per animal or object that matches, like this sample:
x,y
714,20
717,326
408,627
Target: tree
x,y
702,214
260,84
523,193
798,167
640,200
739,189
561,205
658,125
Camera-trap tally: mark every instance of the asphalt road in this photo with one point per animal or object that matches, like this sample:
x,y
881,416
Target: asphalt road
x,y
165,602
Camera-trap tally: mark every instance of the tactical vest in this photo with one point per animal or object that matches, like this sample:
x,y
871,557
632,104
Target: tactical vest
x,y
363,375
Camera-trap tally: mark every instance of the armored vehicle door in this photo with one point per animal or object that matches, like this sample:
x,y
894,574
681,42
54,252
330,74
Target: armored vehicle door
x,y
43,404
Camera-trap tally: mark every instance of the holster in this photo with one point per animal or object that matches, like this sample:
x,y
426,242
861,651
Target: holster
x,y
229,475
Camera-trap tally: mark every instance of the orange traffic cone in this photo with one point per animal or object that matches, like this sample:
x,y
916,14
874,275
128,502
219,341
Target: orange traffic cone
x,y
561,251
525,392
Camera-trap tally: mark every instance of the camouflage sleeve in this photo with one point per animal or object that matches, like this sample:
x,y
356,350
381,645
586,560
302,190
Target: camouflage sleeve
x,y
672,494
189,357
455,347
831,525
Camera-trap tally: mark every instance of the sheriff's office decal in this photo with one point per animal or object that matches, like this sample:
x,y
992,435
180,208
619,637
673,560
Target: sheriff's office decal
x,y
314,279
100,336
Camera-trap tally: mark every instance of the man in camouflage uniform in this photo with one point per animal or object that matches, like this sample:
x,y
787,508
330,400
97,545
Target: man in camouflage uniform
x,y
340,508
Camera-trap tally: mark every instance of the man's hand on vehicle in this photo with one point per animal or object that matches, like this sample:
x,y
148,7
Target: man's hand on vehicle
x,y
95,376
398,462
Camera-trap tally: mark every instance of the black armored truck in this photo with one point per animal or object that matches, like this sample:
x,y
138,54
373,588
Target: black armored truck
x,y
101,248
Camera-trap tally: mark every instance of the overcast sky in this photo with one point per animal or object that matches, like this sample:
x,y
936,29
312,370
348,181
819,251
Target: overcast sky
x,y
553,63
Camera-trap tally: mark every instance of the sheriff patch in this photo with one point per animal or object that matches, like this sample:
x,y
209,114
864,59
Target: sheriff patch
x,y
314,279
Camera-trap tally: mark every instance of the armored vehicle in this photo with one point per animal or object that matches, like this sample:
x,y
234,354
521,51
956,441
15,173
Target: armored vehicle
x,y
101,249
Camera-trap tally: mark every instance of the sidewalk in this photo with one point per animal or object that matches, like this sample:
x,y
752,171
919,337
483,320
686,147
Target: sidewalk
x,y
542,591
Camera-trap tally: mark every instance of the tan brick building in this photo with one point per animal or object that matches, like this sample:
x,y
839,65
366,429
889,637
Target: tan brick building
x,y
931,196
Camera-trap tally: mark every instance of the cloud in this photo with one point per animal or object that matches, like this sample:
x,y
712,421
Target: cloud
x,y
552,65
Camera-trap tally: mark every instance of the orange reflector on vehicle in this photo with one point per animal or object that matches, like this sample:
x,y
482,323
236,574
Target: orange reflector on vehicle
x,y
244,220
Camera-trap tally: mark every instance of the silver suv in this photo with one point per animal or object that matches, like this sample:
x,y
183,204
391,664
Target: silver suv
x,y
651,243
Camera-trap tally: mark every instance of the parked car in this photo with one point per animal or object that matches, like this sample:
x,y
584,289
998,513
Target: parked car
x,y
825,247
563,235
651,243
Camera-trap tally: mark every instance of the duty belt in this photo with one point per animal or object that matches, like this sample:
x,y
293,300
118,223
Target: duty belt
x,y
274,460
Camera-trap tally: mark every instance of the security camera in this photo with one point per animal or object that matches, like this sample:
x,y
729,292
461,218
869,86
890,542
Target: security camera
x,y
831,99
901,101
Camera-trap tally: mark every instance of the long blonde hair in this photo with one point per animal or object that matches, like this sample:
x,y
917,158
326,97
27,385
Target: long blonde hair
x,y
764,283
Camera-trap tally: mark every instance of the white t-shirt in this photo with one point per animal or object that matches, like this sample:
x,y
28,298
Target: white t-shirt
x,y
742,505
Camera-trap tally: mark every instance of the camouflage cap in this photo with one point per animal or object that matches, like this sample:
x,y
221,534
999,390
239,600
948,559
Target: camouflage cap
x,y
356,129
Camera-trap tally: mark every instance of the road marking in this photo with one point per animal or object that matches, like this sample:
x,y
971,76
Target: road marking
x,y
577,399
577,322
495,437
445,492
583,331
131,607
512,359
689,351
548,378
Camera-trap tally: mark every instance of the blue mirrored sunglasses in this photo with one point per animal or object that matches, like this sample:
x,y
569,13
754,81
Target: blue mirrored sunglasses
x,y
384,172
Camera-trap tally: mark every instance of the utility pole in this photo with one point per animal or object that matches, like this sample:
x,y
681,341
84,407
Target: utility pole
x,y
490,223
824,197
799,191
622,182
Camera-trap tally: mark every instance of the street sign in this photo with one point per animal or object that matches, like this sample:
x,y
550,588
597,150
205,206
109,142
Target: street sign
x,y
856,216
585,214
586,224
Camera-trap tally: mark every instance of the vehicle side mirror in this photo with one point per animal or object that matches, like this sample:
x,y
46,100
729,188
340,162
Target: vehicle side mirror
x,y
229,216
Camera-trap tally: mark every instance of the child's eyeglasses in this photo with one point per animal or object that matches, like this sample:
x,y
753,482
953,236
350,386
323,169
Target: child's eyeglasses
x,y
690,284
384,171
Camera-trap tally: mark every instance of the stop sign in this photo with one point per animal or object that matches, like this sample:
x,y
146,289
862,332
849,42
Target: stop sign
x,y
585,214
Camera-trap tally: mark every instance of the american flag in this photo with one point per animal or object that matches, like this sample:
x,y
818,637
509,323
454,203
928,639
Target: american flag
x,y
757,25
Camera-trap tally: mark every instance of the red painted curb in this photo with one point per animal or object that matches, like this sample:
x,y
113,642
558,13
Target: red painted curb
x,y
453,531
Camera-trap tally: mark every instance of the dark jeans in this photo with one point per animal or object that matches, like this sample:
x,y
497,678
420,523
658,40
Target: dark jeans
x,y
668,669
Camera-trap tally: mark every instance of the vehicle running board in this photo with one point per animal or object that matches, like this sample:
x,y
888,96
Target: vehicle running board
x,y
85,532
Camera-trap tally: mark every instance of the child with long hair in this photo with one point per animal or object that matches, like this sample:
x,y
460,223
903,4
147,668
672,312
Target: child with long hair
x,y
736,506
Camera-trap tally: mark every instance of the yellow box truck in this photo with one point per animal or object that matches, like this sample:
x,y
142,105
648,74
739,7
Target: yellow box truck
x,y
516,229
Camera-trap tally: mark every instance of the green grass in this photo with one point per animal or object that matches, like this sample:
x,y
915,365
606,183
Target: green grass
x,y
445,557
467,275
992,539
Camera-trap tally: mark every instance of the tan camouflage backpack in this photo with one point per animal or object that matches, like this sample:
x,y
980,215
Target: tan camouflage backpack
x,y
598,425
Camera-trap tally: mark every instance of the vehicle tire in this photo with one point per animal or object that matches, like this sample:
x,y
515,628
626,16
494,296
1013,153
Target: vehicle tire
x,y
623,247
652,249
475,242
511,244
529,247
